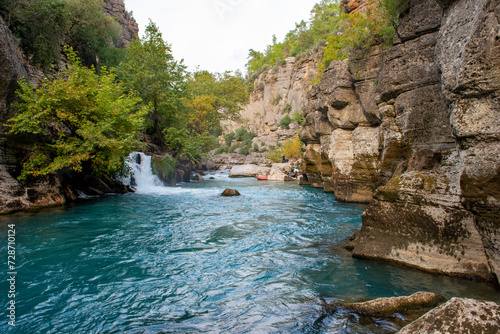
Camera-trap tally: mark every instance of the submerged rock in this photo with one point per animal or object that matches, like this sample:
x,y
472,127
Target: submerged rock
x,y
387,306
230,192
458,316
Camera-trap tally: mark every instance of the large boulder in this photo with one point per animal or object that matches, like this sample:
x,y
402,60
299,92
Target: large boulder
x,y
279,171
248,171
458,316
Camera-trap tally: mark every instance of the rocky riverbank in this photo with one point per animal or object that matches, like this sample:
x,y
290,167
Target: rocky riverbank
x,y
413,130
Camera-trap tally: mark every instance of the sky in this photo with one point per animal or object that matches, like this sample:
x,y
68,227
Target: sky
x,y
217,34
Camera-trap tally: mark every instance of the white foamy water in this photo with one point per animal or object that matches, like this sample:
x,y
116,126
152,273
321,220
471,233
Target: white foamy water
x,y
142,177
145,182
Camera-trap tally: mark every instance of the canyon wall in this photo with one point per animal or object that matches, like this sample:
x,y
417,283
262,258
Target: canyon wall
x,y
277,92
414,130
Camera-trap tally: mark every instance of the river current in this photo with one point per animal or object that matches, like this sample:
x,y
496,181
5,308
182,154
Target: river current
x,y
186,260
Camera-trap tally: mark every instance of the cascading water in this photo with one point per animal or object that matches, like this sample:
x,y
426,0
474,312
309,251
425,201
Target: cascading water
x,y
142,177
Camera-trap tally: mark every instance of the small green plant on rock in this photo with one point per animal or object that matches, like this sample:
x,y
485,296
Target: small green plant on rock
x,y
297,117
285,122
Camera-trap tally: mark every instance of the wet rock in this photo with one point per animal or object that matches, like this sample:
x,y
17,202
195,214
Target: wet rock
x,y
458,316
383,307
230,192
197,177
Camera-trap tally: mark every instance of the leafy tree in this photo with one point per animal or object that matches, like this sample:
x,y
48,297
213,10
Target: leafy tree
x,y
358,31
223,94
306,36
228,138
44,25
292,149
87,120
41,25
150,69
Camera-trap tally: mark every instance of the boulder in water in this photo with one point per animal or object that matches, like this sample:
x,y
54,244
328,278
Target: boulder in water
x,y
457,316
382,307
230,192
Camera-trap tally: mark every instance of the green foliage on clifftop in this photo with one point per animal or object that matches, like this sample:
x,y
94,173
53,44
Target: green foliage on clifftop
x,y
333,30
375,24
307,36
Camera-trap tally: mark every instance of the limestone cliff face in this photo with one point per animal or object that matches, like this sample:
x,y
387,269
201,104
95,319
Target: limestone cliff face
x,y
414,129
130,29
277,92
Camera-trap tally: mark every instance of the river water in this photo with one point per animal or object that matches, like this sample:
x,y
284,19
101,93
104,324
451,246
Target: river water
x,y
186,260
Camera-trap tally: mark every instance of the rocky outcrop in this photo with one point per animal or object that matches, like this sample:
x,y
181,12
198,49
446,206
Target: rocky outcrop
x,y
15,196
129,27
228,160
414,130
458,316
277,92
248,171
342,130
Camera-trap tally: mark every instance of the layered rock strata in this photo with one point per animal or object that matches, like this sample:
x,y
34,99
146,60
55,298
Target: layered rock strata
x,y
277,92
414,130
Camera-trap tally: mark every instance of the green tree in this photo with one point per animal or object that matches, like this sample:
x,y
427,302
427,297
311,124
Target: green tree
x,y
86,120
41,25
150,69
228,92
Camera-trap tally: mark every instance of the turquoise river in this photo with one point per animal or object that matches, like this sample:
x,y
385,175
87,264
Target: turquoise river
x,y
186,260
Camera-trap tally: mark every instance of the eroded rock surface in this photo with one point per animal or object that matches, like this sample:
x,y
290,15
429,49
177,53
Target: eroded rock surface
x,y
458,316
414,130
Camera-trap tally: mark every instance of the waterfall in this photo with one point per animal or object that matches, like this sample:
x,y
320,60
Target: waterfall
x,y
142,177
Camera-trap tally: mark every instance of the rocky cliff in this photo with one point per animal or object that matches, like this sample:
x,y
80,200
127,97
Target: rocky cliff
x,y
130,29
414,130
278,92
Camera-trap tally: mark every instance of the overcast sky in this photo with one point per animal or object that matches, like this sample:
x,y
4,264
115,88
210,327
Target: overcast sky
x,y
217,34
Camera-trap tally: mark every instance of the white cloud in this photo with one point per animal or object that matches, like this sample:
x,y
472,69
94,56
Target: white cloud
x,y
217,34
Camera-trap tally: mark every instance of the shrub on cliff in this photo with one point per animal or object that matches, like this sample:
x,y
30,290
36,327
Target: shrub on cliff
x,y
297,117
85,119
292,149
228,138
285,122
377,24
